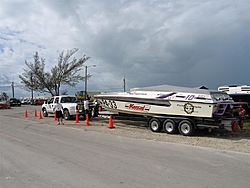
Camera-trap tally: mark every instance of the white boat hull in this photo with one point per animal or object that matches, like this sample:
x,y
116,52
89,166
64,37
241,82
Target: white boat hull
x,y
175,108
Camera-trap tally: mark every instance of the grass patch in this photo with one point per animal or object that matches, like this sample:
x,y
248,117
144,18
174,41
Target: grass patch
x,y
247,126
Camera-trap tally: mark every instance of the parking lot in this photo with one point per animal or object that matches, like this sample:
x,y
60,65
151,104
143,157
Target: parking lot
x,y
137,128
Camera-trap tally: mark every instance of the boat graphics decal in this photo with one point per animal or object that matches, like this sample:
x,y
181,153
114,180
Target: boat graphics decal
x,y
164,96
108,103
155,101
137,107
188,108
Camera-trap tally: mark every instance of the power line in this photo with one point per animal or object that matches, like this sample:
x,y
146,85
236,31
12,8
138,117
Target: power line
x,y
10,85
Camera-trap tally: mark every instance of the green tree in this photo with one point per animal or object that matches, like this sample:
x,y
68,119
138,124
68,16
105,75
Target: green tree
x,y
65,92
66,72
4,96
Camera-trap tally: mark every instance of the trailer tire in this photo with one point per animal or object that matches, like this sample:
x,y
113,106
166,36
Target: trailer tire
x,y
241,124
234,126
155,125
169,126
186,128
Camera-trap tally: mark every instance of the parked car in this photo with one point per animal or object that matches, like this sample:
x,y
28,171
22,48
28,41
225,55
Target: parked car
x,y
38,102
15,102
25,101
4,104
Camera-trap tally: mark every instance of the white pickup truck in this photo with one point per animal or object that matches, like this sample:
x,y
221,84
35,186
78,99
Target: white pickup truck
x,y
69,103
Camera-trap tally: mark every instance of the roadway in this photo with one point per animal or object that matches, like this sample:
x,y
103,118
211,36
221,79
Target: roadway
x,y
44,155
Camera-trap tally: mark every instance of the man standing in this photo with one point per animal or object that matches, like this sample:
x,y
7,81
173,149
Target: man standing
x,y
58,108
86,105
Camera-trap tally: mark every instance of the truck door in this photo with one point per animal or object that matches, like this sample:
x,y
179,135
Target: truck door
x,y
54,102
50,105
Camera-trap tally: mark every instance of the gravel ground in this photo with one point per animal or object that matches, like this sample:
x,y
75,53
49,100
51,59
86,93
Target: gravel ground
x,y
238,141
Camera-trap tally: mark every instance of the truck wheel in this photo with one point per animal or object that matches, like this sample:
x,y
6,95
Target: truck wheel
x,y
169,126
186,128
45,113
155,125
66,115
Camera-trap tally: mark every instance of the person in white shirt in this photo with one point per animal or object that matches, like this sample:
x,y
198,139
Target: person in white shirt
x,y
86,105
58,108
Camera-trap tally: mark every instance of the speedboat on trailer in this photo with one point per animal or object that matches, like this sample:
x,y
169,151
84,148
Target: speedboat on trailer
x,y
176,108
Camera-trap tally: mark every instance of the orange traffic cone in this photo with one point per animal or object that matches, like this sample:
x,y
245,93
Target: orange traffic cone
x,y
55,116
26,114
35,114
77,118
87,120
41,117
111,125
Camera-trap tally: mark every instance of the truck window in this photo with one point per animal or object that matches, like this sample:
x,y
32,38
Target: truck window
x,y
68,100
63,100
57,98
51,101
71,99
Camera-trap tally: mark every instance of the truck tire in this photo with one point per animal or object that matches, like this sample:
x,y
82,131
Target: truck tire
x,y
45,113
169,126
66,115
186,128
155,125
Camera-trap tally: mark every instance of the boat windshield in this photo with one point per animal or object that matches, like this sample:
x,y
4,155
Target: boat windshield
x,y
221,97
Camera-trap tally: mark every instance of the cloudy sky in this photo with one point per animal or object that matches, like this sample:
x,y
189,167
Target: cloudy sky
x,y
149,42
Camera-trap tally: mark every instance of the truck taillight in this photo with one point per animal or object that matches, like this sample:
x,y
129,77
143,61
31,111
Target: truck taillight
x,y
77,107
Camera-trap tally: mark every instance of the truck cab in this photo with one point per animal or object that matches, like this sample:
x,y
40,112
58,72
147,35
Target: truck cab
x,y
69,103
71,106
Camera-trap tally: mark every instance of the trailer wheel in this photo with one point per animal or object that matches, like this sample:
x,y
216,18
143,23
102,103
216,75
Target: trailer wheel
x,y
155,125
169,126
234,126
241,124
186,128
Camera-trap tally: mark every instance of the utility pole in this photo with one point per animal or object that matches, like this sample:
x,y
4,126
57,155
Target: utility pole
x,y
124,84
32,87
86,75
12,85
86,78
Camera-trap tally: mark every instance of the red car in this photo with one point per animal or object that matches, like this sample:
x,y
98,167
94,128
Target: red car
x,y
4,104
38,102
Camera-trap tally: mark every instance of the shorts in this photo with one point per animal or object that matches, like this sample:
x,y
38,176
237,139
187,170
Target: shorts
x,y
86,111
59,114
